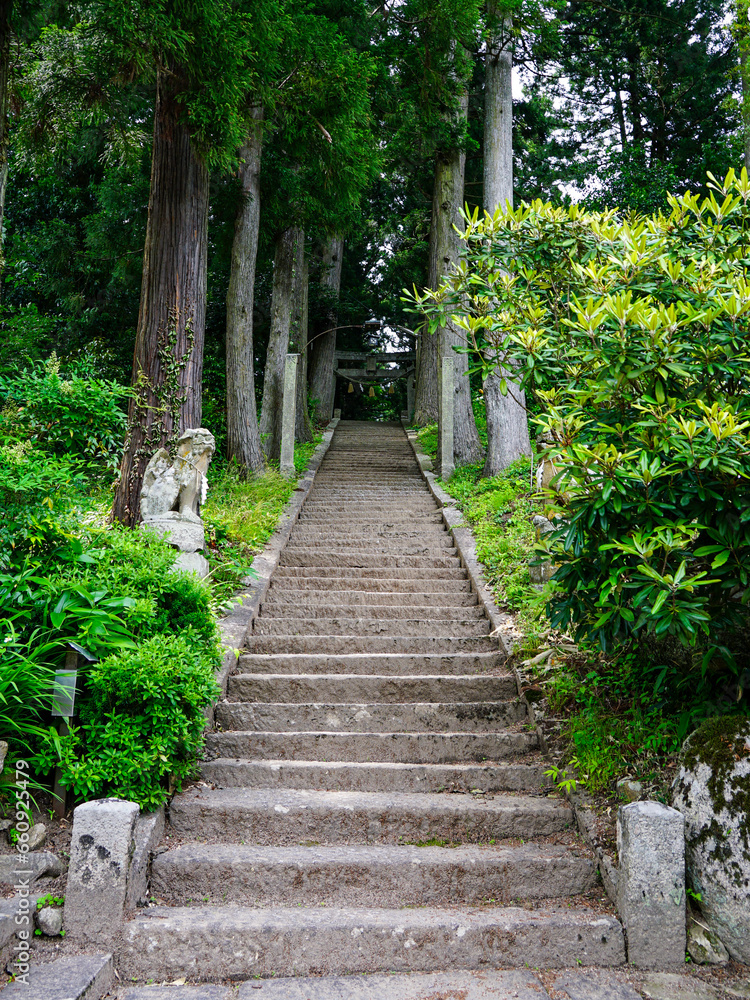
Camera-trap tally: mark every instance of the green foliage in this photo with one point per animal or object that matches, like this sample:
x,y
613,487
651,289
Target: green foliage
x,y
141,726
618,720
79,416
31,486
499,511
26,684
138,568
630,335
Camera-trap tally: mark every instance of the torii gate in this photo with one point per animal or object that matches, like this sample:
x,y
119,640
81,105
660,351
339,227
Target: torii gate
x,y
371,373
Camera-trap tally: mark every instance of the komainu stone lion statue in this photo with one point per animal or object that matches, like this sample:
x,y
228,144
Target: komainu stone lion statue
x,y
173,492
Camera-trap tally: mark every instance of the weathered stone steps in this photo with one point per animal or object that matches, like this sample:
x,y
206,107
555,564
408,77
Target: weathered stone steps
x,y
239,942
403,748
348,776
369,730
387,626
372,717
318,558
405,610
388,876
285,817
363,574
368,643
287,598
317,688
377,664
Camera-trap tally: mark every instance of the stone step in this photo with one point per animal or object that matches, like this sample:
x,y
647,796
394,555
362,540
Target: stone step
x,y
487,984
69,977
387,876
456,717
362,520
402,748
328,507
317,688
285,817
405,610
319,557
432,535
377,478
368,644
346,776
285,596
433,574
439,547
396,664
222,942
350,626
390,492
307,588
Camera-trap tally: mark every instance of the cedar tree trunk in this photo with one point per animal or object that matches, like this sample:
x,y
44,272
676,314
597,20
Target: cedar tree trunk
x,y
507,425
168,358
243,436
447,201
744,48
322,379
278,341
6,8
298,340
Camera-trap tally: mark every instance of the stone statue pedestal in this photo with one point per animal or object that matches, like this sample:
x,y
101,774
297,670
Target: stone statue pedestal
x,y
172,493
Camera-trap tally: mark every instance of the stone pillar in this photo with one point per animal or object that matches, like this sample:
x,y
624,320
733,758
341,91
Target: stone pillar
x,y
288,415
101,847
447,397
410,397
651,883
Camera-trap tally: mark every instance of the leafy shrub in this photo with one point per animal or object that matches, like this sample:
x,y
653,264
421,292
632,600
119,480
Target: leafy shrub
x,y
26,684
31,486
141,725
139,565
78,416
630,335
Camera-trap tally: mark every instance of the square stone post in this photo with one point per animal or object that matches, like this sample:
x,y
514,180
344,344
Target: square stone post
x,y
289,415
651,883
410,397
447,396
101,848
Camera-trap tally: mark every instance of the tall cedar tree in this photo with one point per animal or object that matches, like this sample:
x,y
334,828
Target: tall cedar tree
x,y
647,80
317,162
202,58
507,424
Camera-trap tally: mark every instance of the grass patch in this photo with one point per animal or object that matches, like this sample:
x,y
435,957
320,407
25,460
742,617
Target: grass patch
x,y
240,516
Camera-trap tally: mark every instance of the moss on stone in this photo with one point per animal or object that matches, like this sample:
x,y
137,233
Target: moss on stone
x,y
721,743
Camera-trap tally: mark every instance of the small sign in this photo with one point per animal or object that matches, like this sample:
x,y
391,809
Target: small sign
x,y
64,695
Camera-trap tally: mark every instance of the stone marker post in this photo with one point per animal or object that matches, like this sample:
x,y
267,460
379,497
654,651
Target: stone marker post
x,y
289,415
651,883
447,395
410,397
101,847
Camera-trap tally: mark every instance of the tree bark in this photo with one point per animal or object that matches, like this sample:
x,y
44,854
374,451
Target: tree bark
x,y
243,435
743,44
447,201
278,341
298,339
6,9
168,357
322,379
507,425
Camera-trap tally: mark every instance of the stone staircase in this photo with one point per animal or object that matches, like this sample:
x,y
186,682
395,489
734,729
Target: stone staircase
x,y
373,799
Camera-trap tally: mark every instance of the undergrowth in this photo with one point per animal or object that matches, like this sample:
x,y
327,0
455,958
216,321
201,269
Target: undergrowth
x,y
240,515
620,715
